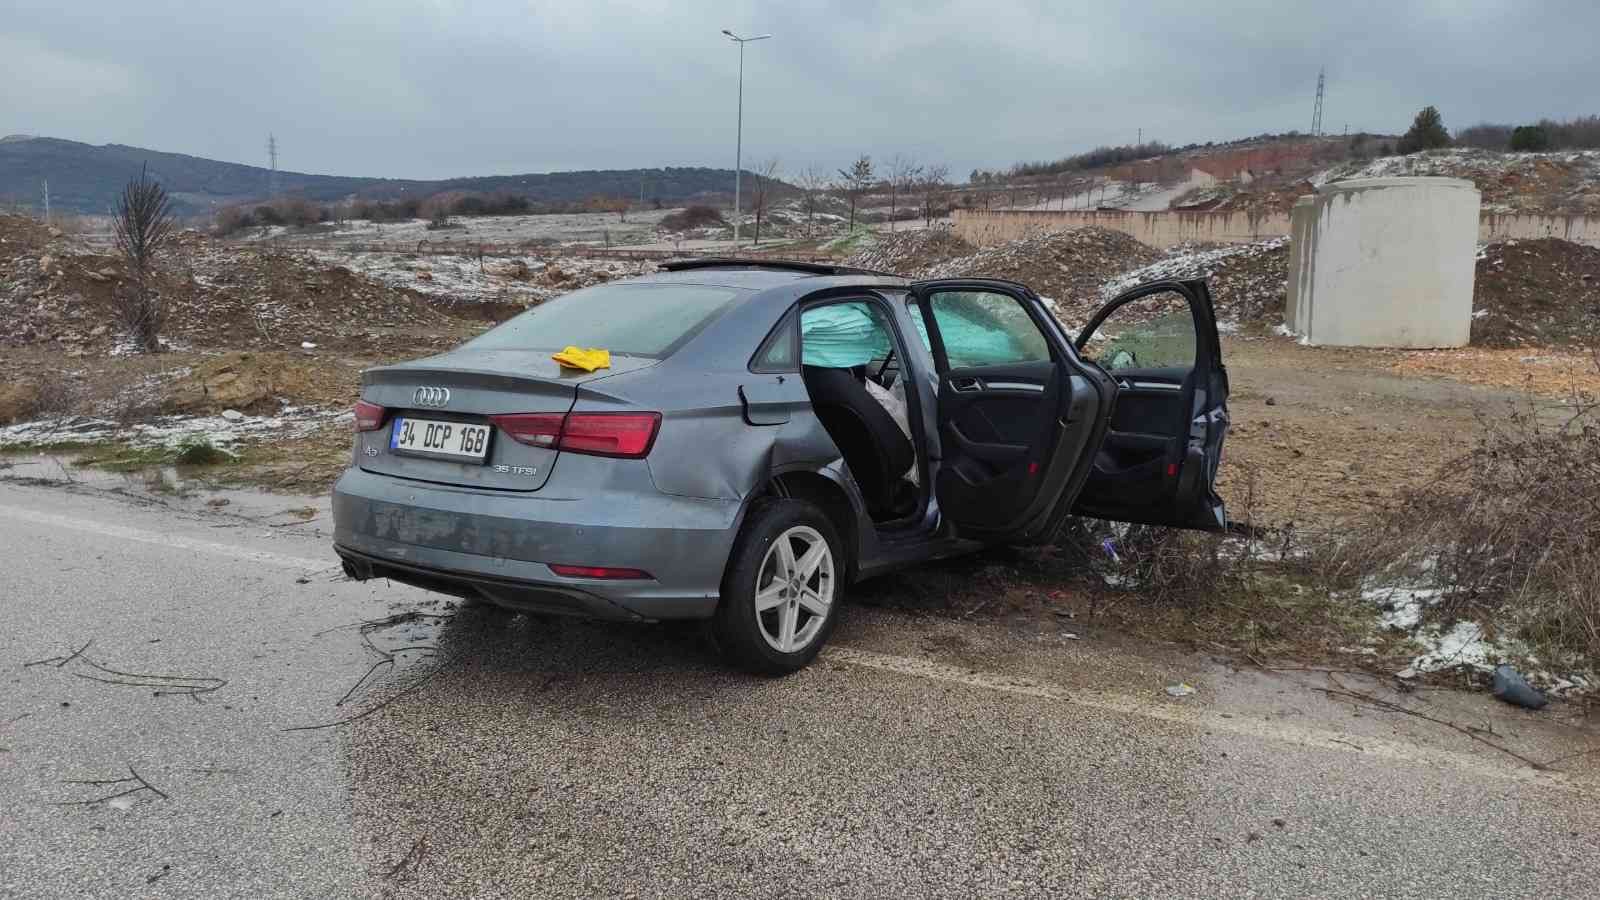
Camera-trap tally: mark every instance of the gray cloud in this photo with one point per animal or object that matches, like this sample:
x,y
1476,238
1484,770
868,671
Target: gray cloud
x,y
449,87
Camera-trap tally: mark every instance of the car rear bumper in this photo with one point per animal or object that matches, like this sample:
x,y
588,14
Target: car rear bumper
x,y
499,546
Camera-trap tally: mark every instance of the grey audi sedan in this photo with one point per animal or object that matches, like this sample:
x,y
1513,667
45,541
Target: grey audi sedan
x,y
764,434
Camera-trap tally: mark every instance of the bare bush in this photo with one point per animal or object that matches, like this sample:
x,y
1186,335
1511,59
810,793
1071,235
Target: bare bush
x,y
1511,532
761,191
691,217
901,175
854,182
933,188
813,182
1580,133
1485,136
1246,590
143,223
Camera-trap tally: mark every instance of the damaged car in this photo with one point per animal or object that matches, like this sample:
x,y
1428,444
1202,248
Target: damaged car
x,y
738,442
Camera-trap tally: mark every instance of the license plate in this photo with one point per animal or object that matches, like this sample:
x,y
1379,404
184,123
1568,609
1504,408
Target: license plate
x,y
451,440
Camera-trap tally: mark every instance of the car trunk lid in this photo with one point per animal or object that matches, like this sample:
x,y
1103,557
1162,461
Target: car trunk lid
x,y
467,387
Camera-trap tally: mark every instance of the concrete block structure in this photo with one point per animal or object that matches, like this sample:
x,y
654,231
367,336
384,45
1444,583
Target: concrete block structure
x,y
1384,262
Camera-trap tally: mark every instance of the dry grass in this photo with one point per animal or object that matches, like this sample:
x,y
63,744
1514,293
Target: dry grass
x,y
1544,371
1510,533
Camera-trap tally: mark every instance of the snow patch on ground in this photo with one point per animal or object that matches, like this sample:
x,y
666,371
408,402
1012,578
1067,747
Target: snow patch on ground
x,y
1460,645
223,431
1187,262
465,279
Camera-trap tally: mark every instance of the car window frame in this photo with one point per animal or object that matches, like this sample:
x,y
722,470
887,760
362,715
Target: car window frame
x,y
923,293
787,328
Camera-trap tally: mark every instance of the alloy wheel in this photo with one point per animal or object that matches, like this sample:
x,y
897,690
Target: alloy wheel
x,y
795,589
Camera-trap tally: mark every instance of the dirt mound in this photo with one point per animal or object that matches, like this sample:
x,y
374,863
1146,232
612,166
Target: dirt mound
x,y
238,297
218,296
911,251
1567,181
1247,280
1066,266
488,290
260,384
19,400
21,233
1543,292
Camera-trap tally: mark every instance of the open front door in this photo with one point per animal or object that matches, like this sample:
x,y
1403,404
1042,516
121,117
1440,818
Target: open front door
x,y
1018,414
1158,462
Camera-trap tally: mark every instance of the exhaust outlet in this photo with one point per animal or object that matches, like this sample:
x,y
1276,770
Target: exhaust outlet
x,y
356,571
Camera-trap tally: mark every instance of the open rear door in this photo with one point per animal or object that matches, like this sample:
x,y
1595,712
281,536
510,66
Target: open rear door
x,y
1019,416
1158,462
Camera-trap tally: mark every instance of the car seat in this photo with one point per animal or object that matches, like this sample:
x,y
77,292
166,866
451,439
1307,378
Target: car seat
x,y
872,444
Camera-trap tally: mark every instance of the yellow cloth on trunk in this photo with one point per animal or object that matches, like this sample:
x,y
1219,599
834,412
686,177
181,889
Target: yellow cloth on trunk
x,y
588,360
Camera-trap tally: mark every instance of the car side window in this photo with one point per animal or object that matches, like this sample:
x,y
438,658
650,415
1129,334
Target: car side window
x,y
984,328
1153,332
780,351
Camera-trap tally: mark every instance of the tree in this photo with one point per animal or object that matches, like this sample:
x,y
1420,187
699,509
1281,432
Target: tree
x,y
761,191
1427,132
1530,139
143,223
932,185
902,175
813,182
857,178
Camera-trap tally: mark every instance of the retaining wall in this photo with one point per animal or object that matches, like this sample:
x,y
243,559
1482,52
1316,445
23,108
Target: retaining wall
x,y
1165,229
1157,229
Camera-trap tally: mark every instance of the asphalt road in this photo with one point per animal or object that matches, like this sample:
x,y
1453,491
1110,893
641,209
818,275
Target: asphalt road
x,y
502,756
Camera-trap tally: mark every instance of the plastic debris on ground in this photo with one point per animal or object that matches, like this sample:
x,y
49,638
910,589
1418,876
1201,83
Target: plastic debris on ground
x,y
1179,690
1510,686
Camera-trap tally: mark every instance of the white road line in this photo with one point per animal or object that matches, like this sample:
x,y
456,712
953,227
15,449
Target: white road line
x,y
1195,716
174,541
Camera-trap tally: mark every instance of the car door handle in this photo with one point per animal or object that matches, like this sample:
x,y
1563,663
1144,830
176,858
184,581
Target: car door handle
x,y
966,385
1026,386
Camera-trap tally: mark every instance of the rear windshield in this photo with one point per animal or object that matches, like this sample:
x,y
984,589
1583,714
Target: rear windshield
x,y
629,319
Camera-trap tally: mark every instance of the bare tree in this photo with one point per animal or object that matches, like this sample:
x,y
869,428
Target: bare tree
x,y
761,192
902,174
933,185
856,179
813,182
143,223
605,203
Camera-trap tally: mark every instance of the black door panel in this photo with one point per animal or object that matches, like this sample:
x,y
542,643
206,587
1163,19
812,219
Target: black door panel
x,y
996,422
1158,461
1017,412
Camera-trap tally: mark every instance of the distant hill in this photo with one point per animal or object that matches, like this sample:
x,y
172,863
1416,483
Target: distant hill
x,y
85,178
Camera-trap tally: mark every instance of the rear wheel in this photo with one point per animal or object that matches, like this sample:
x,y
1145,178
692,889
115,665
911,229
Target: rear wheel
x,y
781,593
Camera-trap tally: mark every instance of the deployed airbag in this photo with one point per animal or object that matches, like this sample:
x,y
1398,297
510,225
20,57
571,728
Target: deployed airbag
x,y
841,336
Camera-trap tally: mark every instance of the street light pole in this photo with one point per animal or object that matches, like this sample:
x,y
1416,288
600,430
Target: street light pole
x,y
738,140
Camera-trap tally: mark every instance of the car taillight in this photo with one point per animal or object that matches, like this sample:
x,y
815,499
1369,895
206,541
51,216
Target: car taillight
x,y
535,429
624,435
627,435
597,572
369,416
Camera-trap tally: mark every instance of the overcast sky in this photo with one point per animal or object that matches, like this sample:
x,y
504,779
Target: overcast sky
x,y
439,88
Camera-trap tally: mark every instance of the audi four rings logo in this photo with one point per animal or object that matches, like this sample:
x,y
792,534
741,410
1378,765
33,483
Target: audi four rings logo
x,y
431,396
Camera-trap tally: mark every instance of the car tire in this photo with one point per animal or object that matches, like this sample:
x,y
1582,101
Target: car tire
x,y
773,620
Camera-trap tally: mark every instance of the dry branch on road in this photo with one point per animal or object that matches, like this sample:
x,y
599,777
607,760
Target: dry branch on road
x,y
134,778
